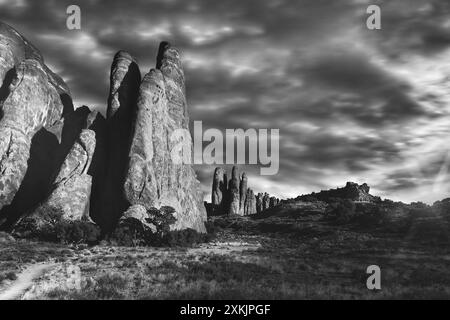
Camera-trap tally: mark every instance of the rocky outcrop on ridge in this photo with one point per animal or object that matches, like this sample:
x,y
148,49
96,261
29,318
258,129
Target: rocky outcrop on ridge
x,y
351,191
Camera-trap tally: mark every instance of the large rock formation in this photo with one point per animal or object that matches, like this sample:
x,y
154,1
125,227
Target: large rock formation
x,y
77,165
154,178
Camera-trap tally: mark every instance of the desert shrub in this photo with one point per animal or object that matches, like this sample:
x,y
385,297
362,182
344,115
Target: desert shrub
x,y
130,233
77,232
49,226
162,219
41,227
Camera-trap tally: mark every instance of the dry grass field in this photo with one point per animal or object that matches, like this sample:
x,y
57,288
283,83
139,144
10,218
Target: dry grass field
x,y
290,253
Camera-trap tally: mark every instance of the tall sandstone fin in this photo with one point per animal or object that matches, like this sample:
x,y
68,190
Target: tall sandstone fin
x,y
234,194
218,194
242,193
154,178
125,79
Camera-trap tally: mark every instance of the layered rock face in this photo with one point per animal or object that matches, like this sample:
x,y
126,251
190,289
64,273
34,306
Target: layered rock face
x,y
76,165
237,198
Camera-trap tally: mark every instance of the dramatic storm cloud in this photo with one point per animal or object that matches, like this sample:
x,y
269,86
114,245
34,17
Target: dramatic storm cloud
x,y
351,103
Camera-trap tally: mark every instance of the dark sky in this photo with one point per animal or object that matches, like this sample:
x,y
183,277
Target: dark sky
x,y
351,104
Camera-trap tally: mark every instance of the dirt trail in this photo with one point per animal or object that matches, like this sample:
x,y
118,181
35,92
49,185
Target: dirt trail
x,y
24,281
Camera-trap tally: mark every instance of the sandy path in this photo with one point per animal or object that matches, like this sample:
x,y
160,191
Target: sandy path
x,y
24,281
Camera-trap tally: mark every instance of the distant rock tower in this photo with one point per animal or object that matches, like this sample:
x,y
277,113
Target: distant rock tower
x,y
235,197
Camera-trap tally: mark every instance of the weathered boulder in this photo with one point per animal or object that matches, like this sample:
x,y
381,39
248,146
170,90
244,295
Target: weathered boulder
x,y
154,178
242,193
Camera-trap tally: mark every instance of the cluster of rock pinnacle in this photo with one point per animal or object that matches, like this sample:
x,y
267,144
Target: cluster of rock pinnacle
x,y
234,196
77,164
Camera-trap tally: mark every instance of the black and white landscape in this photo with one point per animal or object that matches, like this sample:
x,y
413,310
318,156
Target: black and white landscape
x,y
110,110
